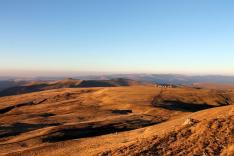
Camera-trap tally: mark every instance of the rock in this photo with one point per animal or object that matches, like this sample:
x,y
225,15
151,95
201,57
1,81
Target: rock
x,y
190,122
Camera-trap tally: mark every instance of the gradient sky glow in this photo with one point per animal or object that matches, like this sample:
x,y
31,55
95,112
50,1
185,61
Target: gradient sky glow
x,y
149,36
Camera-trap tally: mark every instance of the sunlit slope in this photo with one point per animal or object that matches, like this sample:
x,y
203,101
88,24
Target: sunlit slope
x,y
81,119
35,86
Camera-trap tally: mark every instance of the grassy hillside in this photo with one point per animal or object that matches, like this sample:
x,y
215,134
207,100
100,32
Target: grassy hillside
x,y
35,86
107,120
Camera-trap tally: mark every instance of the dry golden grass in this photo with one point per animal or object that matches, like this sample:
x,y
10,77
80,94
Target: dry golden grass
x,y
90,121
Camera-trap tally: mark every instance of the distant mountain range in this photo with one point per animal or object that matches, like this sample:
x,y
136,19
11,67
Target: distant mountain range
x,y
15,85
156,78
182,79
166,78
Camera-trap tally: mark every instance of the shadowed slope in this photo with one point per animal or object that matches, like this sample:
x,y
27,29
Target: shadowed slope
x,y
214,136
80,118
67,83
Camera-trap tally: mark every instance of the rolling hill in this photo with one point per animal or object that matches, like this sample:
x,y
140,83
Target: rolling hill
x,y
124,120
35,86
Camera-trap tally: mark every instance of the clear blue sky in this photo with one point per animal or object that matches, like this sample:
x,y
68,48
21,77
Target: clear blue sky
x,y
149,36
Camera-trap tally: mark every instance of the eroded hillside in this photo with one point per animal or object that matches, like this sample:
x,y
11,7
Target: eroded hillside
x,y
106,120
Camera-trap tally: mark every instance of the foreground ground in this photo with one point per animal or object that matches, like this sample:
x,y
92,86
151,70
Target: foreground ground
x,y
133,120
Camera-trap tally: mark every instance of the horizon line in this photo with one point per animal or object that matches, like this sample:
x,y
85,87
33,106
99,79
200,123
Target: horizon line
x,y
66,74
